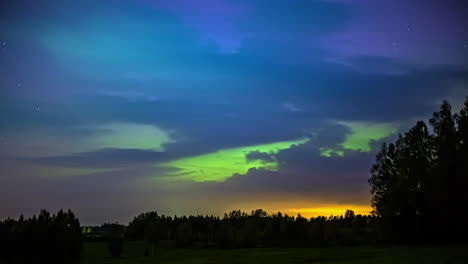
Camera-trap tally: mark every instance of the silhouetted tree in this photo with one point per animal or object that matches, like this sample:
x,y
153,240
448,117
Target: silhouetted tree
x,y
462,169
420,180
443,184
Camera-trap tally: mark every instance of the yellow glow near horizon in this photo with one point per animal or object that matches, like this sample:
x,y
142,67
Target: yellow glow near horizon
x,y
222,164
335,210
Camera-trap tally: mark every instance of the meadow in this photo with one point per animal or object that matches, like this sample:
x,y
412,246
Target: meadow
x,y
96,252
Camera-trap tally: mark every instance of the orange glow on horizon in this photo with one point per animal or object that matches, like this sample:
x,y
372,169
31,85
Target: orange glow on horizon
x,y
335,210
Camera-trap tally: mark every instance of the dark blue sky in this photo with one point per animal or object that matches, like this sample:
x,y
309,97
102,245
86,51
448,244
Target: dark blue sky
x,y
114,107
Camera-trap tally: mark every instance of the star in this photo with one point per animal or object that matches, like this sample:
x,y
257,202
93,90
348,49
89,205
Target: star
x,y
37,108
19,84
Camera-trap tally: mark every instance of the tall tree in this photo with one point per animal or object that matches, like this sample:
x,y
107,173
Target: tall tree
x,y
443,188
462,168
383,173
422,179
414,161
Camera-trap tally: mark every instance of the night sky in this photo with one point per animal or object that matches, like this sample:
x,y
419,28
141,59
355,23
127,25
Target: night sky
x,y
115,107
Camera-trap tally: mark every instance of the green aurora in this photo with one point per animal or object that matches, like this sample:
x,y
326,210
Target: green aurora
x,y
223,164
360,136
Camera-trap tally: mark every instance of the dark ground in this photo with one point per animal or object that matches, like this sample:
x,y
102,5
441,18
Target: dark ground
x,y
133,253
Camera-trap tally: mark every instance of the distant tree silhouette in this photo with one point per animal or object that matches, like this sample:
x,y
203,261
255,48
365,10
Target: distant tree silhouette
x,y
238,229
349,214
23,240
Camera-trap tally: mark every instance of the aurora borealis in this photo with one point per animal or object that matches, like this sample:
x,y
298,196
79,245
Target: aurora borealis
x,y
112,108
222,164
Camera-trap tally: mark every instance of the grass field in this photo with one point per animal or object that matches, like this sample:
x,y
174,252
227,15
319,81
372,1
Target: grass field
x,y
95,253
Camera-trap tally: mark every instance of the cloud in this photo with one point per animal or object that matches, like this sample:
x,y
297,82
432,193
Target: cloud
x,y
131,96
128,136
222,164
104,158
425,33
304,173
360,137
291,107
375,65
216,21
262,156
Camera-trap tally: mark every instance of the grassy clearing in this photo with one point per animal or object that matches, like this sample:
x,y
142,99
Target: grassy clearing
x,y
133,253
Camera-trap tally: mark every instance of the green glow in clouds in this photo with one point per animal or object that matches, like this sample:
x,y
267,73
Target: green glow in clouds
x,y
360,136
363,133
129,136
222,164
330,152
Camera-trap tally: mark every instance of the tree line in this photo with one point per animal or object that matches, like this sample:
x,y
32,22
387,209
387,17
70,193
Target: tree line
x,y
41,239
258,229
59,238
420,182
